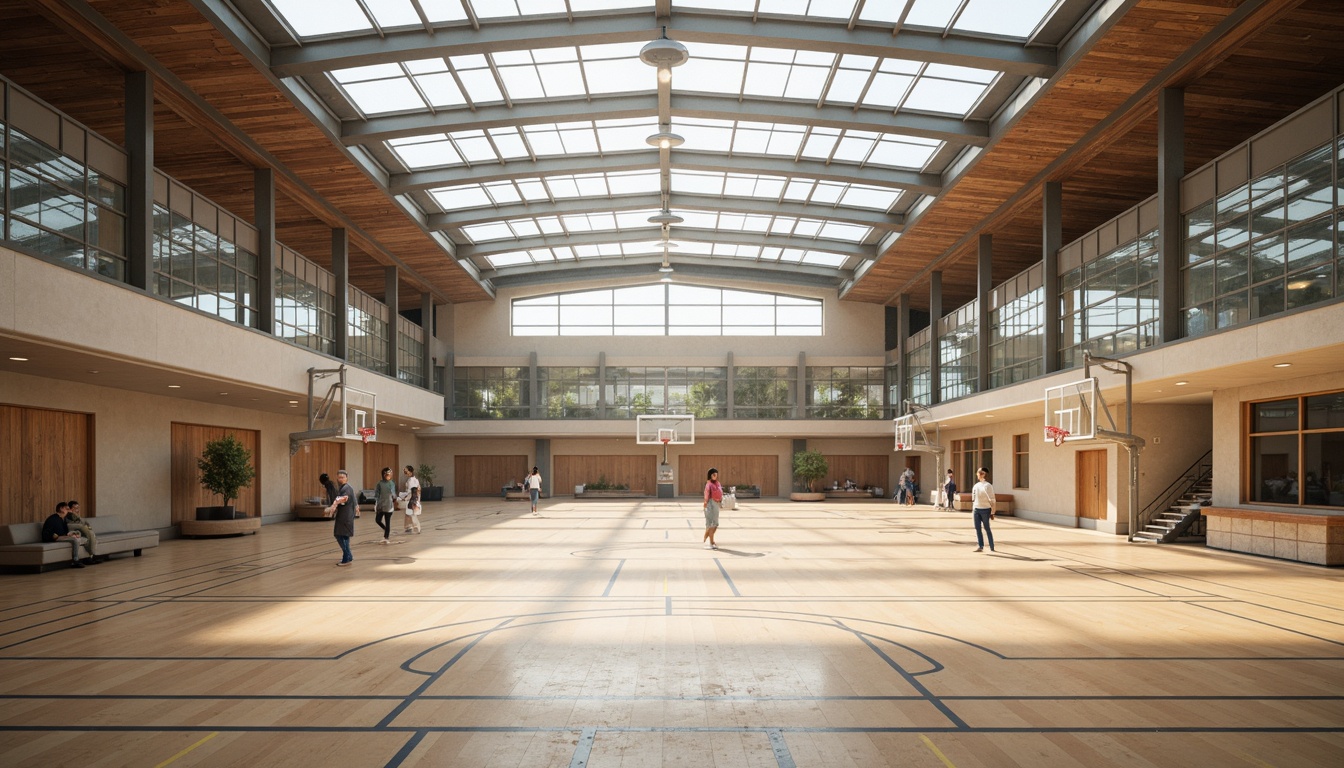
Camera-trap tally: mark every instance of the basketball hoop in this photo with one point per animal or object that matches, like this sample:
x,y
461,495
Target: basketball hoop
x,y
1056,434
366,432
900,446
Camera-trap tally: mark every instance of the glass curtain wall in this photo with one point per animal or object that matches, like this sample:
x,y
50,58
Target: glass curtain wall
x,y
918,369
305,302
569,392
765,392
58,207
1016,327
486,392
845,391
958,345
1266,247
410,352
203,257
1296,452
700,391
1109,304
367,323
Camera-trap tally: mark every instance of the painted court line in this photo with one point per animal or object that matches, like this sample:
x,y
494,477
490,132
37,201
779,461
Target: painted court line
x,y
172,759
584,748
936,751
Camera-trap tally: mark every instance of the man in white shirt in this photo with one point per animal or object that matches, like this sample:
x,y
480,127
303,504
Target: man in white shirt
x,y
982,508
534,487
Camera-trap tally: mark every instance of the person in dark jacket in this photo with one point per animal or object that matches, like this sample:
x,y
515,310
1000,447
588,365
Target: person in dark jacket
x,y
343,506
56,529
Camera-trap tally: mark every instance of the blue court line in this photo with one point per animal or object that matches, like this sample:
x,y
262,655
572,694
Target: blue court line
x,y
406,749
612,583
667,609
783,758
584,748
727,578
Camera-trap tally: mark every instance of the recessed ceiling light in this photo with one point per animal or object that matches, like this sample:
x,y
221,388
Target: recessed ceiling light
x,y
19,359
223,394
293,402
989,415
1179,384
414,427
174,386
1276,365
95,372
401,425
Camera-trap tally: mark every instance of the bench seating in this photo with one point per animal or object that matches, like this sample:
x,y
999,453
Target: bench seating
x,y
21,543
1003,503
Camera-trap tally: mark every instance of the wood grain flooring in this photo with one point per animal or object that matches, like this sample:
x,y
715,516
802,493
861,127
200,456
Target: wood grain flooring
x,y
604,635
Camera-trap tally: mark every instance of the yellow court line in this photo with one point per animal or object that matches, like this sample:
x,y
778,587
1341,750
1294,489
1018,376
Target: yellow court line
x,y
188,749
936,751
1253,760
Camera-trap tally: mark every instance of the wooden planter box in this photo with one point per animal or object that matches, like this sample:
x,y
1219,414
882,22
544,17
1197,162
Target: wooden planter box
x,y
746,494
1003,503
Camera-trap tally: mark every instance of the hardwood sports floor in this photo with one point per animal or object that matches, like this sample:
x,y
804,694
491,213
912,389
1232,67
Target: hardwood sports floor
x,y
601,634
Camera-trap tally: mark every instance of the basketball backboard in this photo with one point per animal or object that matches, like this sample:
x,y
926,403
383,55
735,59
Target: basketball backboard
x,y
361,411
1071,411
905,432
665,429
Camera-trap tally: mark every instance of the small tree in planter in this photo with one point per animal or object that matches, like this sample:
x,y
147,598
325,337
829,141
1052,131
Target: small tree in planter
x,y
808,468
226,467
428,490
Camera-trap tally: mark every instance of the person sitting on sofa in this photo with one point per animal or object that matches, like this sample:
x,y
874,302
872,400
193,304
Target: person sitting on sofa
x,y
76,523
56,529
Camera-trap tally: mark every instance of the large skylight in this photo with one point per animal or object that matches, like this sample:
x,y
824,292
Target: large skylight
x,y
625,221
523,142
718,249
536,190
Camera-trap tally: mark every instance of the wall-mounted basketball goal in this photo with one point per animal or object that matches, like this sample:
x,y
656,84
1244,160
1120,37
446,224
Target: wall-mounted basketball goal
x,y
336,410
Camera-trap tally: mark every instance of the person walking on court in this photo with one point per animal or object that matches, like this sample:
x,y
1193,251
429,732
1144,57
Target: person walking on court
x,y
949,491
908,486
412,497
343,507
982,506
713,503
534,487
385,494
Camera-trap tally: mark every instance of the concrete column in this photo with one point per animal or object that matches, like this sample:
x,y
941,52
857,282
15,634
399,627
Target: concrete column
x,y
1052,235
392,298
984,286
1170,169
340,267
264,199
543,464
935,348
140,187
427,331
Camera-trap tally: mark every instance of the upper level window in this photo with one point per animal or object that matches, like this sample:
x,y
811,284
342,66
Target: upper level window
x,y
666,310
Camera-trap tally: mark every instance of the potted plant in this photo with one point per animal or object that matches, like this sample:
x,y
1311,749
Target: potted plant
x,y
808,468
428,490
226,467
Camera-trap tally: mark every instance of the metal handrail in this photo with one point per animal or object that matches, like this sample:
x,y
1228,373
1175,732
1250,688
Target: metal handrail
x,y
1197,471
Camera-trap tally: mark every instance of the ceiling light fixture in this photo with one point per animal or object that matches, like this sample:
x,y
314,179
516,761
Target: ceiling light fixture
x,y
95,372
664,54
665,217
174,386
665,140
19,359
1282,365
1182,383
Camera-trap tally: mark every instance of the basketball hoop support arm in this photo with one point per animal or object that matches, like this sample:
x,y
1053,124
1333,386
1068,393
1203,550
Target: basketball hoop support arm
x,y
1133,443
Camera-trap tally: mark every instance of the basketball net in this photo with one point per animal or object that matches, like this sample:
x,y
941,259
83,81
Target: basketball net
x,y
665,440
365,433
1056,434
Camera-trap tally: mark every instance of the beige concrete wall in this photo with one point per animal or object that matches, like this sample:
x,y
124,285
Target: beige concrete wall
x,y
1228,449
854,335
133,451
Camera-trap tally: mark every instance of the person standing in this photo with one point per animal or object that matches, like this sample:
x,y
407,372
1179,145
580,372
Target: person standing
x,y
412,496
982,509
908,486
713,503
534,487
385,494
343,506
77,523
55,529
949,491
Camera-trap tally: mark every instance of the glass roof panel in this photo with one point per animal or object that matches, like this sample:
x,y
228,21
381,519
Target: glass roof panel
x,y
442,10
950,96
394,13
1018,19
932,13
310,19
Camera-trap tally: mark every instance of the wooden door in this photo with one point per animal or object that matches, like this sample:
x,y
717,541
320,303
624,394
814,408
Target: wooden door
x,y
48,457
314,458
1090,480
640,473
762,471
485,475
377,456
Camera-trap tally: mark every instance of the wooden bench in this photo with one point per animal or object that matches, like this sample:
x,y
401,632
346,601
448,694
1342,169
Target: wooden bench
x,y
1306,537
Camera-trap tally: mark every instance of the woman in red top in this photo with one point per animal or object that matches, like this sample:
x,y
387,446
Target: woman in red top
x,y
713,498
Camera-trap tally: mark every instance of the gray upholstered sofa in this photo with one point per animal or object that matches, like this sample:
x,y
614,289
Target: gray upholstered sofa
x,y
21,543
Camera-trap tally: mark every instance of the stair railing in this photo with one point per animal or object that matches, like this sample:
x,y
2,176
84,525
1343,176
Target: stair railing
x,y
1200,470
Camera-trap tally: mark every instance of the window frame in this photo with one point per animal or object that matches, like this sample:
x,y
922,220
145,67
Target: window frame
x,y
1302,432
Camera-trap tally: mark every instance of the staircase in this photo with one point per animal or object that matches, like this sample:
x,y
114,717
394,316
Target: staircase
x,y
1178,511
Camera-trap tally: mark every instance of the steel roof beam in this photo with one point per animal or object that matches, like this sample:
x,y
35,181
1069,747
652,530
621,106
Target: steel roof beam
x,y
607,268
366,49
938,128
682,234
685,160
680,201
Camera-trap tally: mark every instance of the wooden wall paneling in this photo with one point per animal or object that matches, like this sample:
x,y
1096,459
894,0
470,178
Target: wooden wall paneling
x,y
188,443
733,470
485,475
376,456
638,472
48,459
864,470
314,458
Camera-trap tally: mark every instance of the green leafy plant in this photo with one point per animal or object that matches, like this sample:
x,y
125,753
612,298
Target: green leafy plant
x,y
226,467
601,484
426,474
809,467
